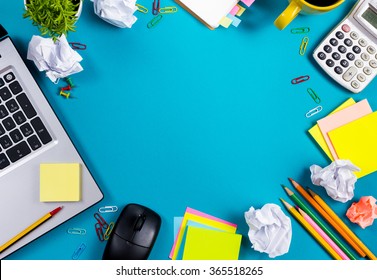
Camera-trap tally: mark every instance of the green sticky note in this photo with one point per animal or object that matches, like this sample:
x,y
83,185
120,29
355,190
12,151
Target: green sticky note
x,y
60,182
207,244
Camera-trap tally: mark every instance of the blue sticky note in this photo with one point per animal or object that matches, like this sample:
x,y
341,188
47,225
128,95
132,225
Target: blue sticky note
x,y
235,20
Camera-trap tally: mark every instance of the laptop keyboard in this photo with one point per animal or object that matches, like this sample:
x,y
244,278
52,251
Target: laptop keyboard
x,y
21,129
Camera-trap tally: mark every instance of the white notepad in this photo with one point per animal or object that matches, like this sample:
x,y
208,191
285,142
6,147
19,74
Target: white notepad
x,y
209,12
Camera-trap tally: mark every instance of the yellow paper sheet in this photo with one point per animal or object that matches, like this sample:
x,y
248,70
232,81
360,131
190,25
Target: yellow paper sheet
x,y
240,11
315,131
198,219
357,141
60,182
207,244
225,22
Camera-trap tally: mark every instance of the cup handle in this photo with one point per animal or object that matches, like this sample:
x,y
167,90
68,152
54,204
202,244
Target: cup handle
x,y
287,15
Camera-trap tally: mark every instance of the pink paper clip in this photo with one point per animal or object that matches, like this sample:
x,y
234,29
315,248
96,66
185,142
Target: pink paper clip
x,y
101,221
156,7
300,79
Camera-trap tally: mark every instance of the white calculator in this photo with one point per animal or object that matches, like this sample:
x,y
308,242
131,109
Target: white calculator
x,y
349,53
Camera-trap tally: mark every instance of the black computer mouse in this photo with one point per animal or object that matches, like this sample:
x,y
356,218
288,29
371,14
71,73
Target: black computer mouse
x,y
133,235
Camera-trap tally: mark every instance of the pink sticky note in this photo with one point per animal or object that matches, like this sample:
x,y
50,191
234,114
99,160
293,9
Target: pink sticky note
x,y
248,2
234,11
341,118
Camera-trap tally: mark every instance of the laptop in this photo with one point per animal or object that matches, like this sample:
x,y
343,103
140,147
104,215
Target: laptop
x,y
31,134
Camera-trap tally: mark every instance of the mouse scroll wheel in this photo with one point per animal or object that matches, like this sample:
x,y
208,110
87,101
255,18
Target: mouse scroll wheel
x,y
139,222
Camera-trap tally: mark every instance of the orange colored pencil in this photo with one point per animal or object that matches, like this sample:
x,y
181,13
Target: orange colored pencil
x,y
327,217
335,217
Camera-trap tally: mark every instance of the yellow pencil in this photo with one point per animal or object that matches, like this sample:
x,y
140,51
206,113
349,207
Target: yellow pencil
x,y
335,217
311,230
29,229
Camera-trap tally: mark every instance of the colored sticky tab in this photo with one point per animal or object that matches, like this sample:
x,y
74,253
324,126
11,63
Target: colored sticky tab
x,y
356,141
316,133
60,182
225,22
235,10
207,244
248,2
240,11
235,21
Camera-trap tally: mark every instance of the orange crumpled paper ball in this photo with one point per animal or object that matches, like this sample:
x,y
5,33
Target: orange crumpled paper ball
x,y
363,212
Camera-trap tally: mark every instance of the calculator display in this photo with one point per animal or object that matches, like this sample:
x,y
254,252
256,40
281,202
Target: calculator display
x,y
370,16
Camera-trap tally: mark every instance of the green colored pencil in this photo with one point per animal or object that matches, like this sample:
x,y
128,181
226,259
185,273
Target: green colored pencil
x,y
299,202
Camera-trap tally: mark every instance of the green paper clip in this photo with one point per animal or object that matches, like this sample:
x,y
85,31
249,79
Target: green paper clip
x,y
304,44
154,21
142,9
168,10
314,95
300,30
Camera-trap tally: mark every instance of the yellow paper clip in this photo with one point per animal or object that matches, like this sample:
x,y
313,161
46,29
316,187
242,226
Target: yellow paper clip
x,y
78,251
79,231
108,231
65,94
304,44
142,9
314,95
313,111
168,10
300,30
154,21
106,209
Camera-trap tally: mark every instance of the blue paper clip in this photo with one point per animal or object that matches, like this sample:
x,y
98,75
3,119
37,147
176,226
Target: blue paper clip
x,y
156,7
79,231
78,251
300,79
313,111
107,209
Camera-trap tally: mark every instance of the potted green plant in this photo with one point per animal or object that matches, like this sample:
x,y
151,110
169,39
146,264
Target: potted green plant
x,y
53,17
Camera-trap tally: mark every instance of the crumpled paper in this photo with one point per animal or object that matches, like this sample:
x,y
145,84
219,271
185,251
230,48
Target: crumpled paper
x,y
338,179
58,59
270,230
116,12
363,212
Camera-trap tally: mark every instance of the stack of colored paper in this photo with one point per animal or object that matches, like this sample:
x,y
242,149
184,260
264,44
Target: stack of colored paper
x,y
199,236
350,133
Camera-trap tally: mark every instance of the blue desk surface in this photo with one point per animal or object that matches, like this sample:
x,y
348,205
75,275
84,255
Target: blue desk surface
x,y
179,116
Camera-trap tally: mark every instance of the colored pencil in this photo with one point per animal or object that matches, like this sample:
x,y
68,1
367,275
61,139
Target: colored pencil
x,y
328,233
311,230
335,217
323,234
327,217
29,229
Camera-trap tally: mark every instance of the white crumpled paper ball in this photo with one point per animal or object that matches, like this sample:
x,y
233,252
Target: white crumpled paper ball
x,y
116,12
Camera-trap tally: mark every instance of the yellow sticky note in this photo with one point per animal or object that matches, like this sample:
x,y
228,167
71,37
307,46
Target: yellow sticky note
x,y
225,22
240,11
207,244
316,133
356,141
60,182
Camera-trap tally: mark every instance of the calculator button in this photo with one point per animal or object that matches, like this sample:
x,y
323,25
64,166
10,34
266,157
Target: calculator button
x,y
330,63
361,77
364,56
321,55
359,63
338,70
349,74
9,77
371,49
346,28
348,42
327,48
367,70
336,56
342,49
339,35
356,49
333,42
373,63
355,84
344,63
350,56
354,35
362,42
1,82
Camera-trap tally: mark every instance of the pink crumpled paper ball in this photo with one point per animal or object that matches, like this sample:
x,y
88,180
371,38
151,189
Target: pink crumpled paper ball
x,y
363,212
